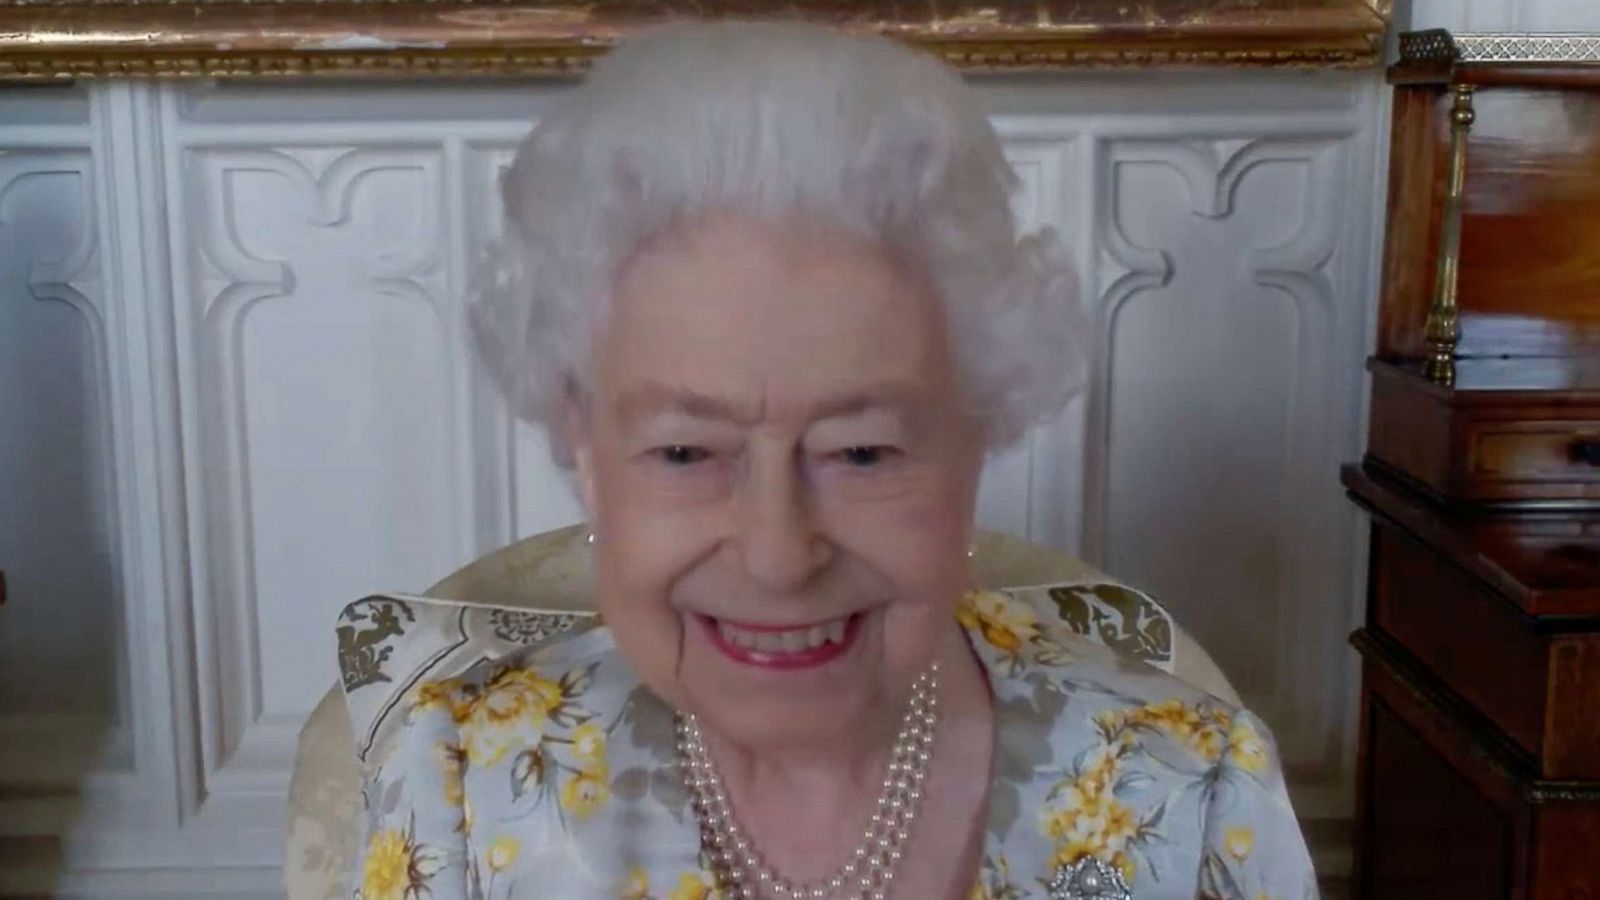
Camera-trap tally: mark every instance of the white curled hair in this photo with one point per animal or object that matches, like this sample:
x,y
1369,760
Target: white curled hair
x,y
772,120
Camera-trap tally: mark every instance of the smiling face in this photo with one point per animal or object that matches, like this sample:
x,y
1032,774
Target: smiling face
x,y
780,469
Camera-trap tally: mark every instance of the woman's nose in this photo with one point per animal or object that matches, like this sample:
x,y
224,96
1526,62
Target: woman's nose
x,y
779,542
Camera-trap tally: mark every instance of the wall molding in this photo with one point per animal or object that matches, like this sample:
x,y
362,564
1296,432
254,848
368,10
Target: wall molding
x,y
225,214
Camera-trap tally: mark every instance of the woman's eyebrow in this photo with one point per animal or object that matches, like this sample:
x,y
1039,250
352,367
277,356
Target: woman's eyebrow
x,y
655,398
893,397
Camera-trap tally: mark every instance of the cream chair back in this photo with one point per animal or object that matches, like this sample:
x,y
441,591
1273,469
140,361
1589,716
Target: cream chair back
x,y
554,570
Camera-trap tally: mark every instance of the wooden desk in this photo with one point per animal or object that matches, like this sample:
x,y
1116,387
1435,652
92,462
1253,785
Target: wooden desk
x,y
1479,772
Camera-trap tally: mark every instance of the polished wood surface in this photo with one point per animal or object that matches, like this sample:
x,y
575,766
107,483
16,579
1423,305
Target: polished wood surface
x,y
1444,811
1495,436
1547,565
1417,156
1452,623
1439,798
1435,834
1479,756
1530,255
1451,591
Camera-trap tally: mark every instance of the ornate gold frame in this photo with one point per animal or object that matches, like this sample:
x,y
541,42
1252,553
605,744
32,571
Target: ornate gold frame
x,y
44,40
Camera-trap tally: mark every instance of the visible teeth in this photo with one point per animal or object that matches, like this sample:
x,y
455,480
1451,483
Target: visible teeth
x,y
737,636
792,641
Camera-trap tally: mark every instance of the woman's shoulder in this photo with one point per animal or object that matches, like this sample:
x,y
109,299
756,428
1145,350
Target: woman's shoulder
x,y
1098,637
587,646
1071,692
560,682
1103,755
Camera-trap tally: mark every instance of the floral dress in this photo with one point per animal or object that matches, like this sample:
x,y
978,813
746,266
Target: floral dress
x,y
550,774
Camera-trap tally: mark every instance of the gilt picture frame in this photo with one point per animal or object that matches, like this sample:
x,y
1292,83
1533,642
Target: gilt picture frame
x,y
50,40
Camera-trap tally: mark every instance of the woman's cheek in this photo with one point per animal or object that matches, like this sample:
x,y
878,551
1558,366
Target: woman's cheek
x,y
657,546
669,487
911,501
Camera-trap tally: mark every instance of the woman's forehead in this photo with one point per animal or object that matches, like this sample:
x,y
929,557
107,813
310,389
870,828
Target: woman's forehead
x,y
746,404
750,317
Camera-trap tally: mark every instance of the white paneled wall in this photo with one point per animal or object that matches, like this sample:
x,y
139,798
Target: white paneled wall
x,y
238,395
1506,15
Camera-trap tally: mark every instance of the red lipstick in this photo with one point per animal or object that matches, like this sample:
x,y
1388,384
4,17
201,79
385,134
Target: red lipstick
x,y
808,658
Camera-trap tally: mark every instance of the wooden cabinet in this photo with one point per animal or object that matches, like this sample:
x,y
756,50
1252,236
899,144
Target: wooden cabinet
x,y
1479,772
1480,719
1506,430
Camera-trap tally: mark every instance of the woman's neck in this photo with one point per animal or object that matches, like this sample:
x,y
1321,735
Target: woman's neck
x,y
806,806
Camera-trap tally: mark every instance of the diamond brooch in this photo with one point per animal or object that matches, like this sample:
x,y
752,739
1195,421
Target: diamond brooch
x,y
1088,879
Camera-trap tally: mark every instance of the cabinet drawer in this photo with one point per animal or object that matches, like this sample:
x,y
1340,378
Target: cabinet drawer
x,y
1469,638
1486,442
1536,452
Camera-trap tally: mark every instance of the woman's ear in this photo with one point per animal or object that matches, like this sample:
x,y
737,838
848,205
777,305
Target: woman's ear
x,y
577,432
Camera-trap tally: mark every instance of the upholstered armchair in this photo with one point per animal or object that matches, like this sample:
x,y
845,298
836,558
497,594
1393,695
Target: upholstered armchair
x,y
551,572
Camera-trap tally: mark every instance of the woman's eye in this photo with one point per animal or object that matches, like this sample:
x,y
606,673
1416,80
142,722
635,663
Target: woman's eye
x,y
682,454
864,456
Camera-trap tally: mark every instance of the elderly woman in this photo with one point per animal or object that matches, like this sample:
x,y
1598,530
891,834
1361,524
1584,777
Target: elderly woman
x,y
763,286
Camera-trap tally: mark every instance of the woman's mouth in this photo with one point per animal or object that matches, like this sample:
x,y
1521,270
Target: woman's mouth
x,y
783,647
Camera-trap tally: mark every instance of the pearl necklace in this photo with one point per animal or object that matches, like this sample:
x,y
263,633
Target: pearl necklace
x,y
869,871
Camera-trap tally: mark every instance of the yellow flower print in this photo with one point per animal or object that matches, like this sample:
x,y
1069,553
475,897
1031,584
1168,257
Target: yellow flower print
x,y
1201,729
1088,822
385,874
446,695
589,744
1119,824
450,758
637,886
1006,626
694,887
1083,807
515,693
1183,723
1111,723
1099,774
1070,852
1239,840
396,867
502,853
510,710
1246,749
1079,803
585,792
1123,863
1172,716
1085,818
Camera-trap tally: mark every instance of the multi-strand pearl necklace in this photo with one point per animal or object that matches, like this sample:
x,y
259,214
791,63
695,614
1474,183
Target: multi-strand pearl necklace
x,y
869,871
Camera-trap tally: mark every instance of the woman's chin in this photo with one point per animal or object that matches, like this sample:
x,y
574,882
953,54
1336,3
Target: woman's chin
x,y
794,725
